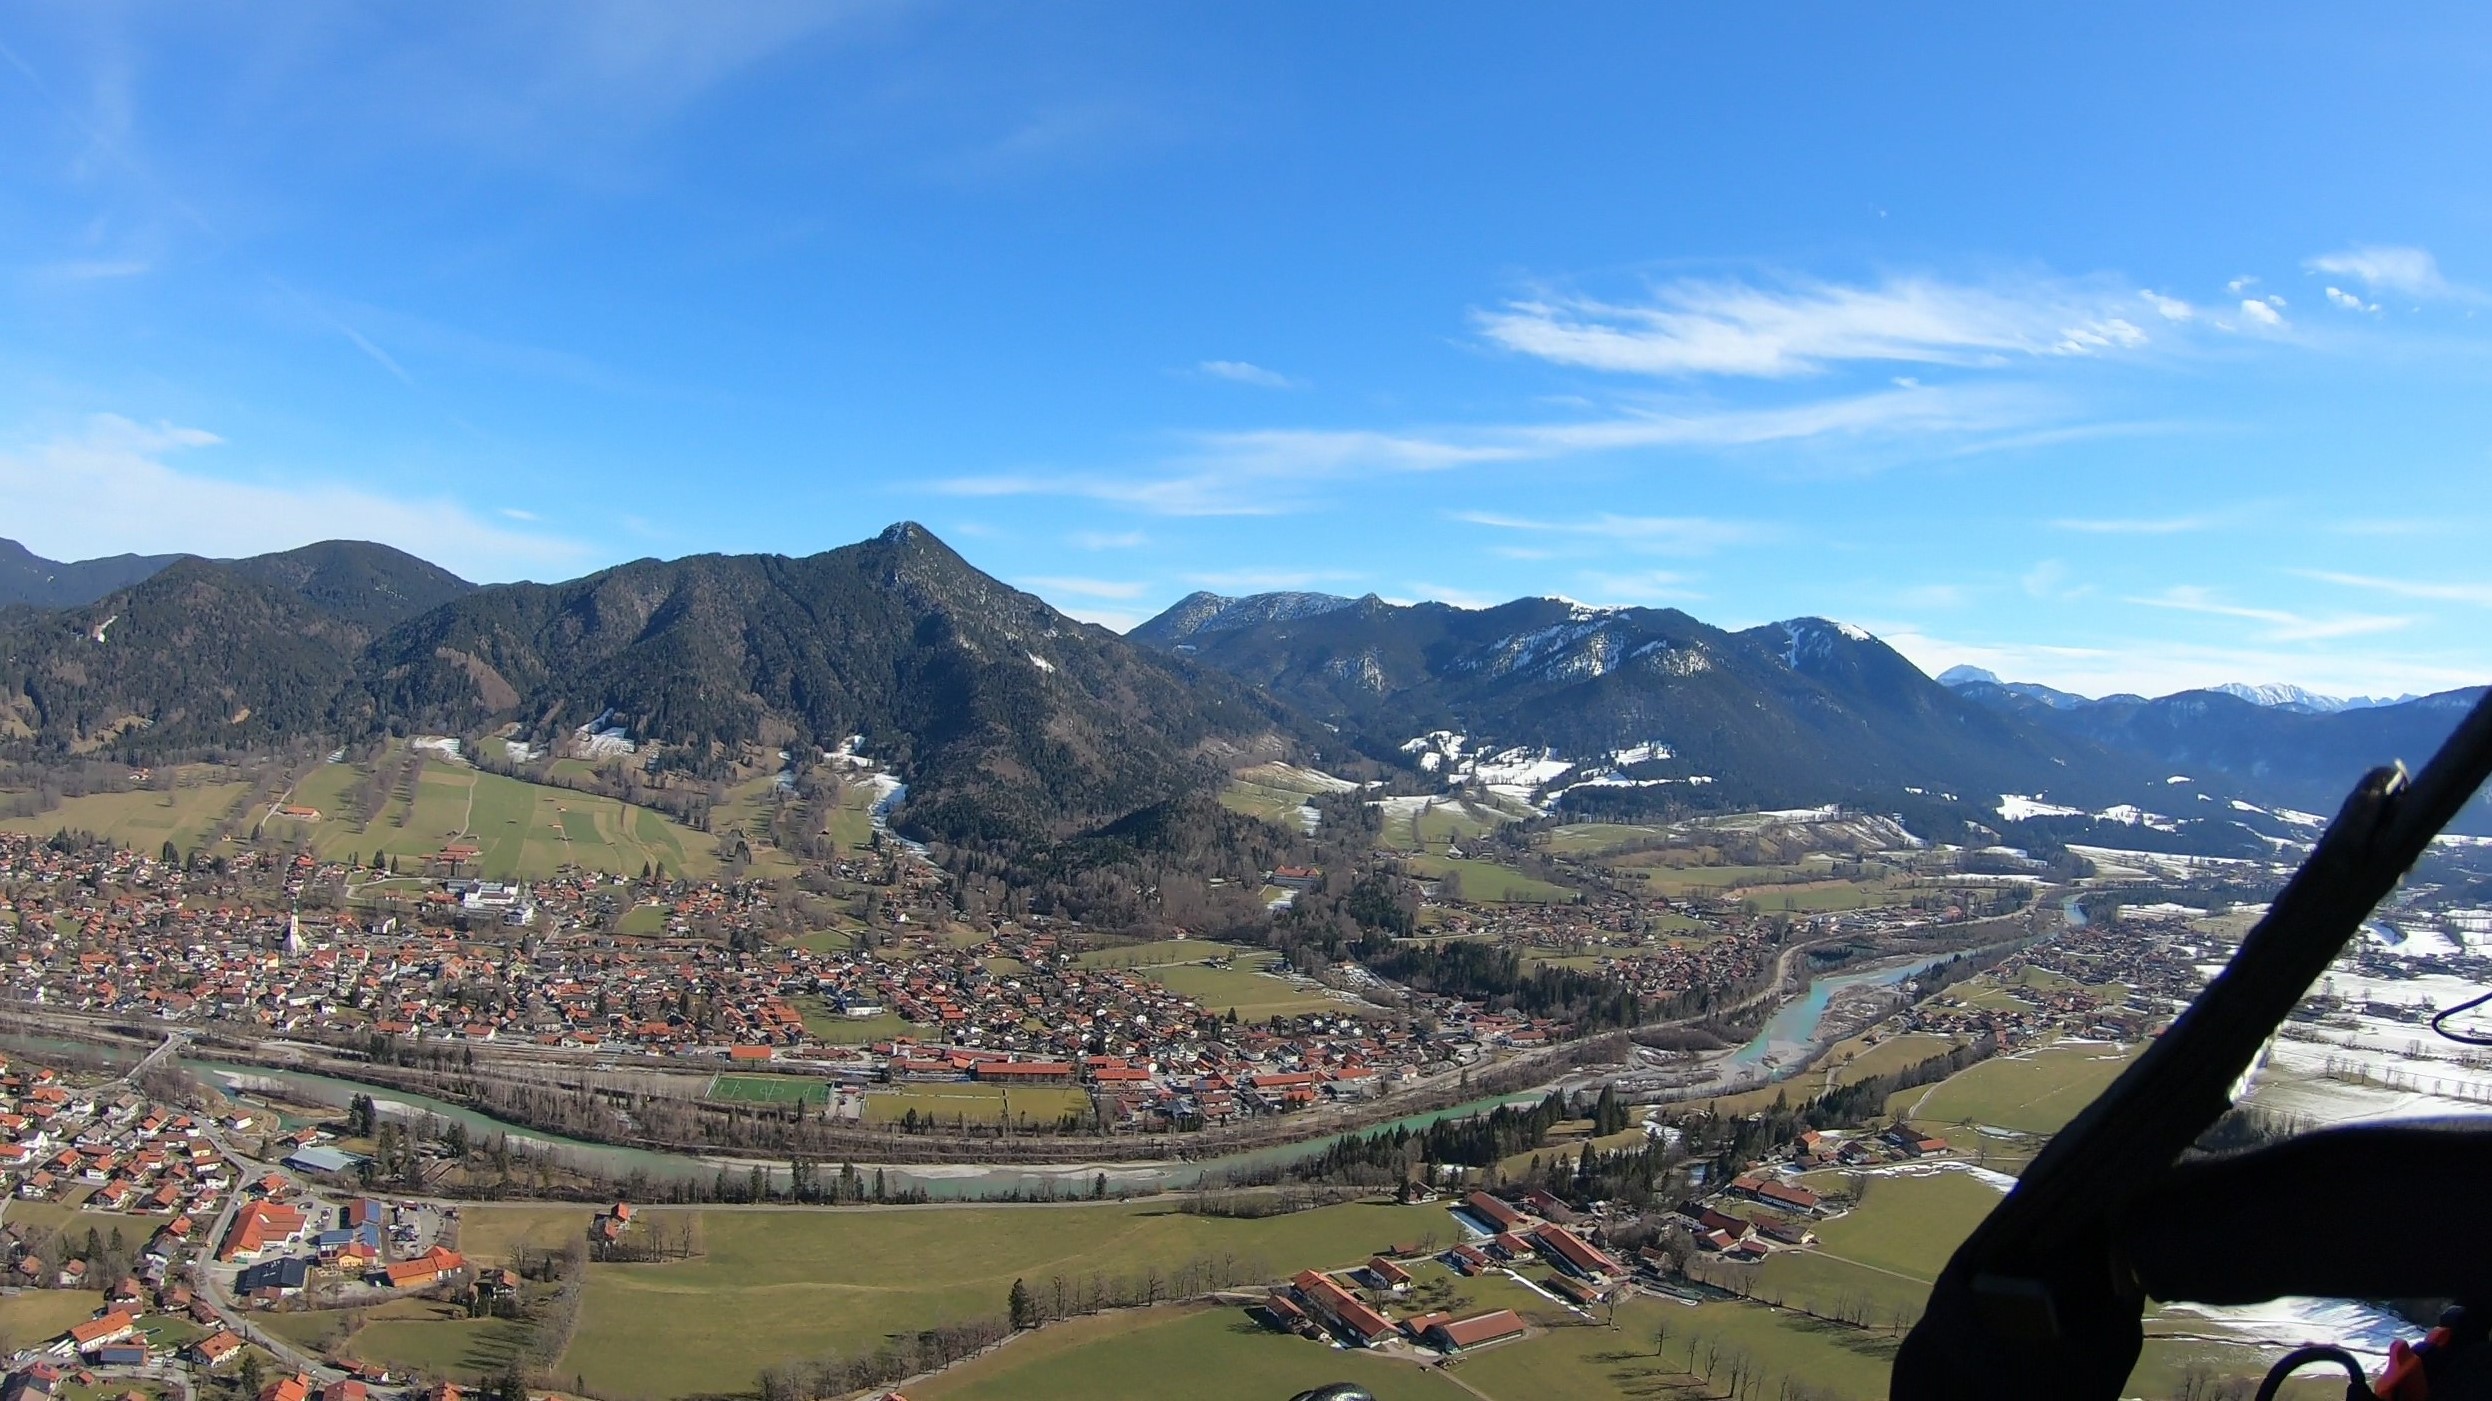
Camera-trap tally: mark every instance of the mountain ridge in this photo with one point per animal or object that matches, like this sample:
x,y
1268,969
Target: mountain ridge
x,y
1801,711
30,579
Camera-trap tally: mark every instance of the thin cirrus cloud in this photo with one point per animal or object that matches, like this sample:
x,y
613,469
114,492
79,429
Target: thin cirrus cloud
x,y
1733,328
1246,372
2480,595
1685,535
2136,525
114,486
2281,625
2411,272
1273,471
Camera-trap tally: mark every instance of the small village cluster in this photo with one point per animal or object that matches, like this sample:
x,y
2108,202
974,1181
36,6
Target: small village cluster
x,y
219,1236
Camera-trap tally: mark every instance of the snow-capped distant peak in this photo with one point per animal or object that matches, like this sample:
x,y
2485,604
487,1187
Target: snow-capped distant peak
x,y
2281,696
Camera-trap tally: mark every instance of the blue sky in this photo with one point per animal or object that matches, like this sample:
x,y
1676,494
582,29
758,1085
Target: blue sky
x,y
2116,349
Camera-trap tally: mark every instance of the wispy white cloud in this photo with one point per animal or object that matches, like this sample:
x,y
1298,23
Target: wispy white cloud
x,y
1272,471
82,270
2339,297
1934,595
2281,626
2136,525
113,487
1109,539
2411,272
1686,535
1058,134
2261,313
1245,372
1700,327
1049,584
2479,595
2053,579
2169,308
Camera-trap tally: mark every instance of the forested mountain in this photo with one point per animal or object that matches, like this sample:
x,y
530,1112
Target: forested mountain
x,y
29,578
1011,720
1013,723
196,655
1801,711
371,586
1210,612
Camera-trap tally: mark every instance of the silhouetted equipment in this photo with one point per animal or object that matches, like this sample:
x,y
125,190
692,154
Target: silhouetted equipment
x,y
1337,1391
2045,1300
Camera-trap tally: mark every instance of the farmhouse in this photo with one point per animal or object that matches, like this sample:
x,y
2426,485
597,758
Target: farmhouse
x,y
1344,1310
1494,1214
95,1332
423,1271
1475,1332
1386,1274
1571,1253
1775,1192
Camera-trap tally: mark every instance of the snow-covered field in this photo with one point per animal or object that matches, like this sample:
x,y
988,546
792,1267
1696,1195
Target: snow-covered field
x,y
2378,1058
2280,1325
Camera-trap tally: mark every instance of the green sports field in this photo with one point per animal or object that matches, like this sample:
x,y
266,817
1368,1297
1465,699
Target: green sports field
x,y
976,1103
770,1089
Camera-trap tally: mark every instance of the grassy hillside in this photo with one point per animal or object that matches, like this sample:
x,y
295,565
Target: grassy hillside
x,y
525,830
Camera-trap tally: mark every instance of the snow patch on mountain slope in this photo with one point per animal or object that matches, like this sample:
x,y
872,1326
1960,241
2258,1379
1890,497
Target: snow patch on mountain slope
x,y
1517,772
2134,816
1672,661
1814,637
2015,807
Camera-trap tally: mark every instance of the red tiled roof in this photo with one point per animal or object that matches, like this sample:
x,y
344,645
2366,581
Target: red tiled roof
x,y
1483,1328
